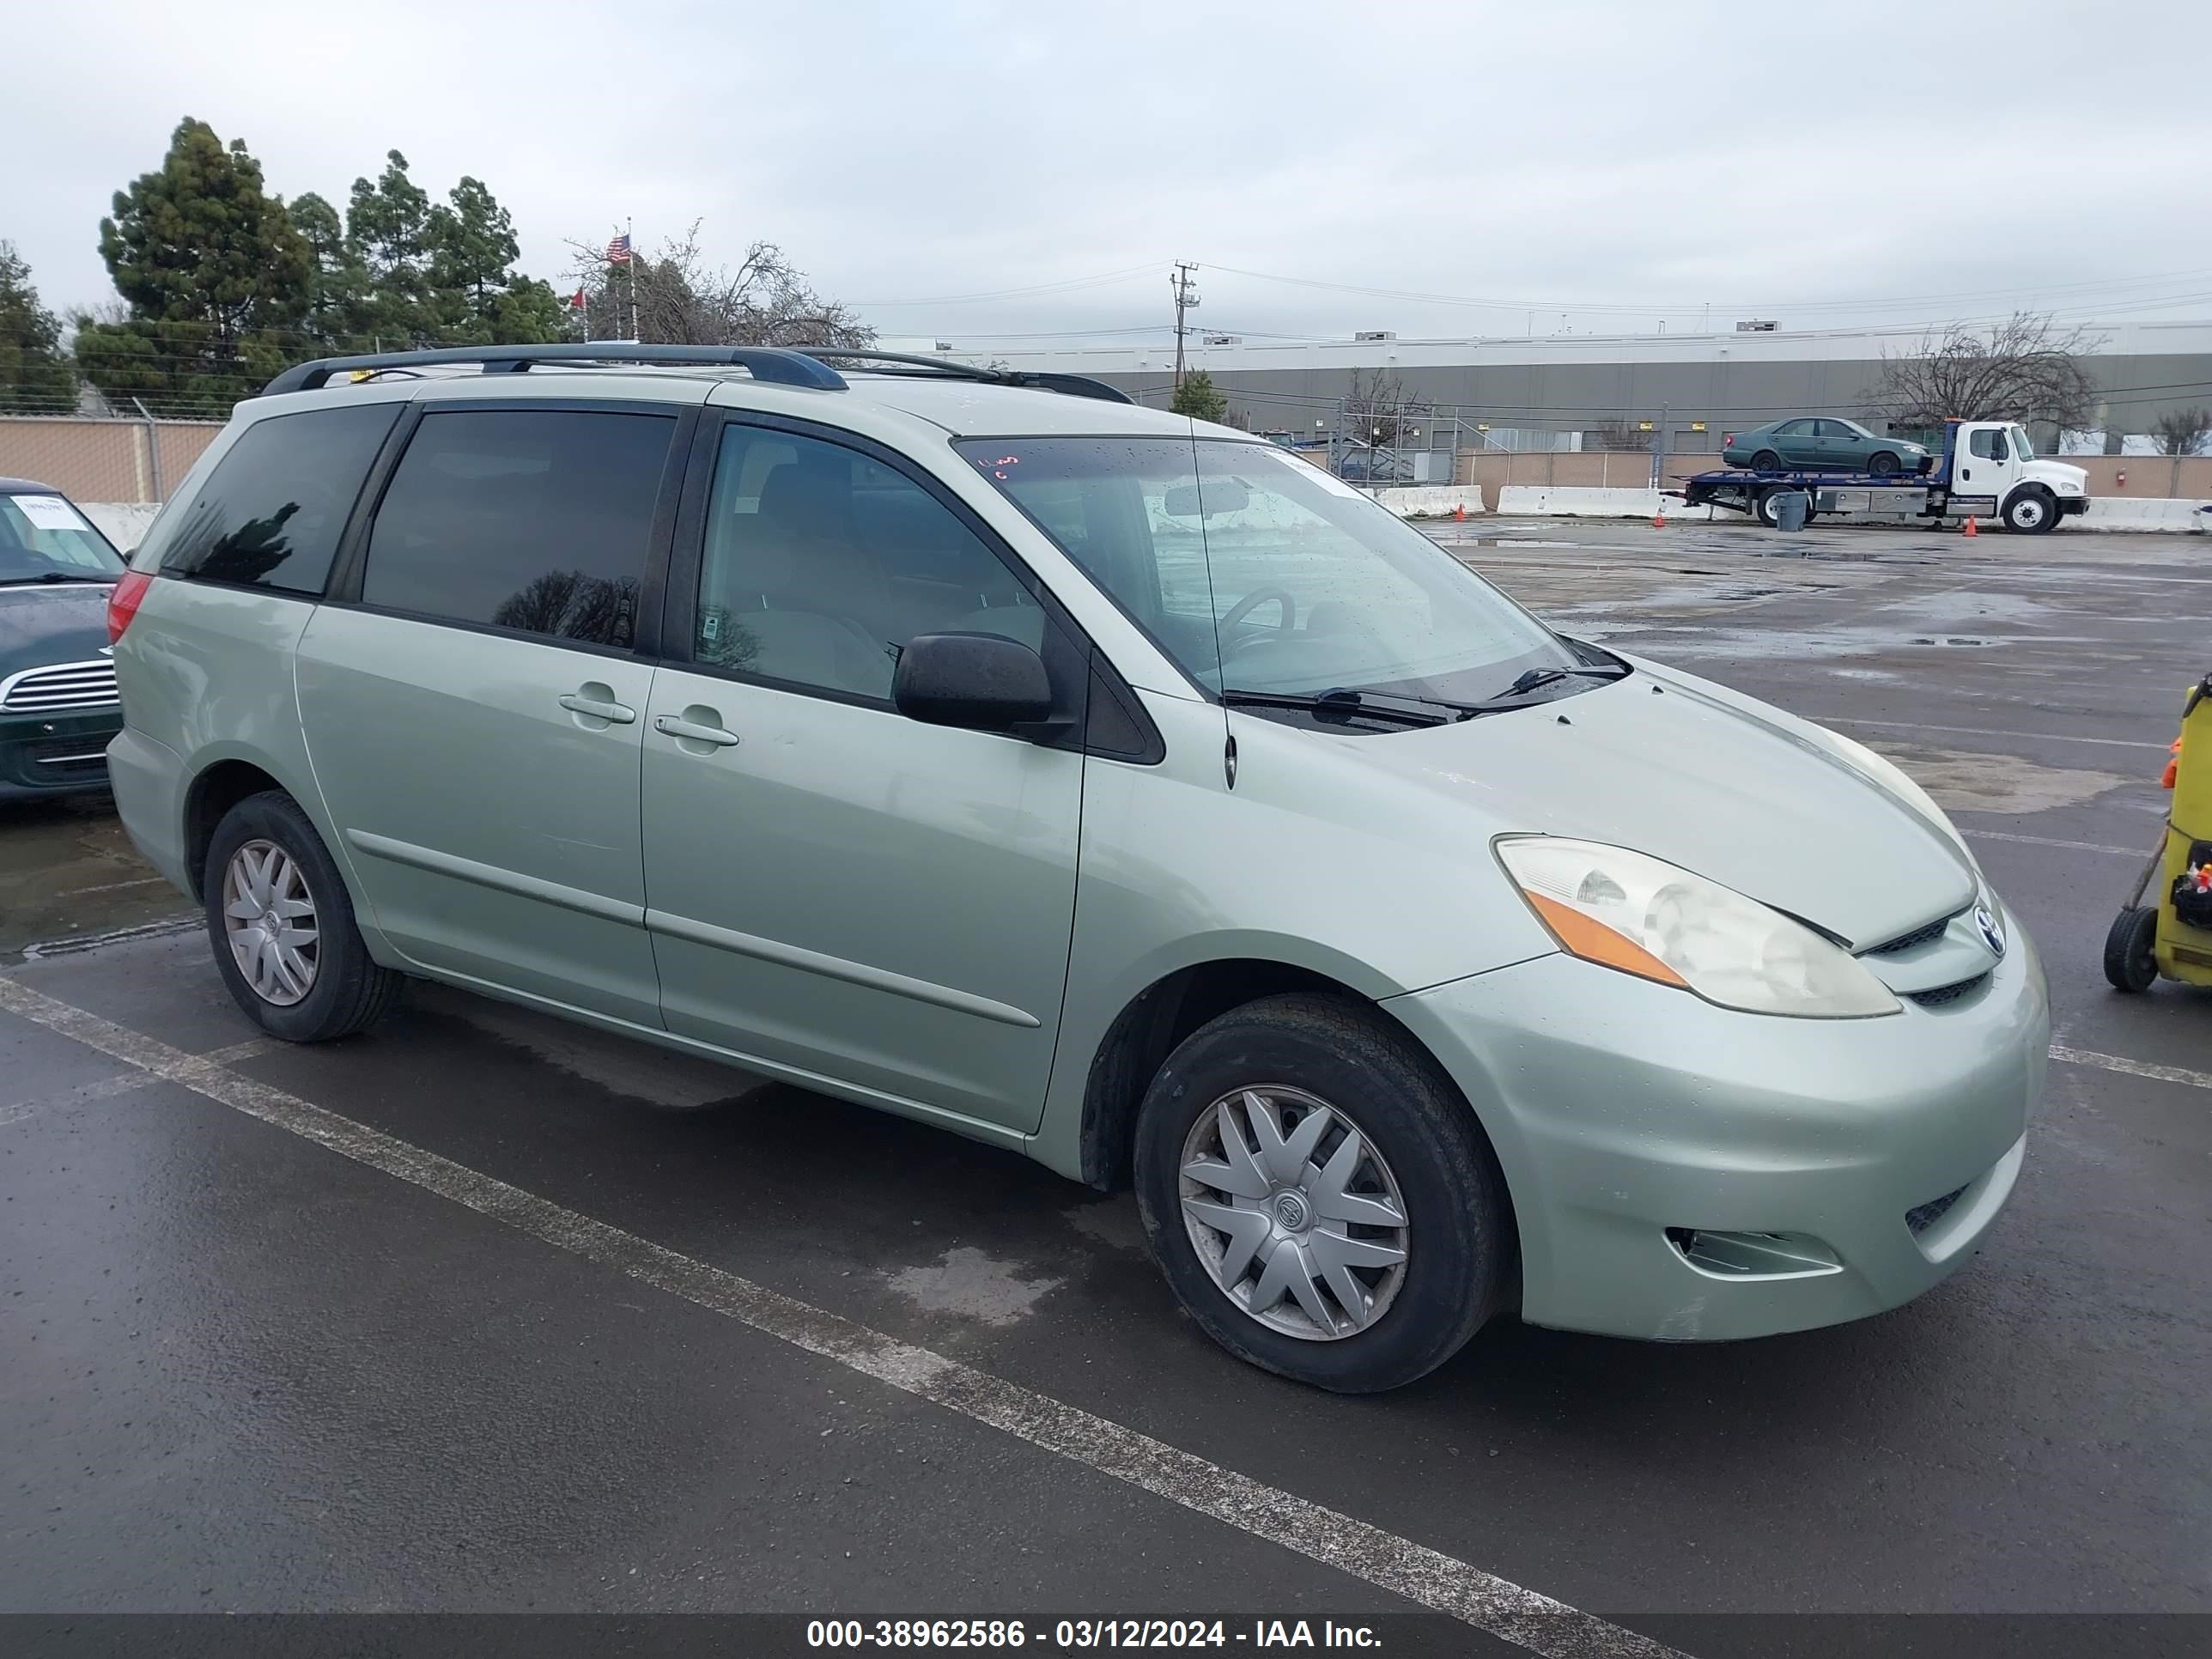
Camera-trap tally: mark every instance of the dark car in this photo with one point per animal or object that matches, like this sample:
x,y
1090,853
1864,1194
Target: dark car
x,y
58,701
1821,442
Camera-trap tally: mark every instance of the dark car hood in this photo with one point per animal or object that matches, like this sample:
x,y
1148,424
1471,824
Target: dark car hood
x,y
47,622
1719,790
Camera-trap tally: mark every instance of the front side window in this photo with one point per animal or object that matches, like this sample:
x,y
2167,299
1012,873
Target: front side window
x,y
45,539
538,520
271,513
821,563
1988,443
1257,572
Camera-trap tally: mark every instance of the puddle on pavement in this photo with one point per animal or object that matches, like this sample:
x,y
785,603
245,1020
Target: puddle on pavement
x,y
1948,639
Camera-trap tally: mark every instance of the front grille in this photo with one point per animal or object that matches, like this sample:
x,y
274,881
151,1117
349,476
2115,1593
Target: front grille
x,y
1918,936
65,685
1943,994
1919,1219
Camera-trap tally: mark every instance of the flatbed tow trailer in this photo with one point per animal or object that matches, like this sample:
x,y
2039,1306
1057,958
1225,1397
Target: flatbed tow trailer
x,y
1988,470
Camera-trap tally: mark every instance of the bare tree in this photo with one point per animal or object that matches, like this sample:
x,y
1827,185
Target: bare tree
x,y
1378,410
2025,368
681,300
1617,435
2182,431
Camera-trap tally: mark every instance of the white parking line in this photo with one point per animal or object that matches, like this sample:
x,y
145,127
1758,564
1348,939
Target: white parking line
x,y
2052,840
1426,1576
2132,1067
1984,732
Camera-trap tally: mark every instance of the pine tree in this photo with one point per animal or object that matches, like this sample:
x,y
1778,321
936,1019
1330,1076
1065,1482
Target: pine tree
x,y
336,291
388,235
214,278
477,296
35,376
1200,399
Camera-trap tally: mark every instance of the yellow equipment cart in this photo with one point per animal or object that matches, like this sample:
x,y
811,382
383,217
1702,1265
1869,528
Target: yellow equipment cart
x,y
2172,938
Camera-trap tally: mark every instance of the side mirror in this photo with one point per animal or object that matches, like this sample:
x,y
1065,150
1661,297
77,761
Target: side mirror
x,y
978,681
1217,495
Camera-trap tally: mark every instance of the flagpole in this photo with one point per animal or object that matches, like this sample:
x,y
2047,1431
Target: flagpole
x,y
629,240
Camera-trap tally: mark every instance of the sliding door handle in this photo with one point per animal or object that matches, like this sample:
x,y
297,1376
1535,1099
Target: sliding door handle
x,y
684,730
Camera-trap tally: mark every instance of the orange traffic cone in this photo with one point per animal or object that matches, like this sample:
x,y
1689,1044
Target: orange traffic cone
x,y
1970,530
1659,520
1458,512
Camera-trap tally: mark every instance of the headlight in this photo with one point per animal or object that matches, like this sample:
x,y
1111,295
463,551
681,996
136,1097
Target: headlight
x,y
1641,915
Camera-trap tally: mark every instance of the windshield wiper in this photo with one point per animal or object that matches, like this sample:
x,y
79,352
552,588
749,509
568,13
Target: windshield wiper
x,y
1540,677
54,576
1338,704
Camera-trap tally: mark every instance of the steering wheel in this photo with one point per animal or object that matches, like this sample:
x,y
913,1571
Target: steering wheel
x,y
1258,597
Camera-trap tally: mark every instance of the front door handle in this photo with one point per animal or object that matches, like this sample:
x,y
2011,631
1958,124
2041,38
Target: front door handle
x,y
603,707
673,726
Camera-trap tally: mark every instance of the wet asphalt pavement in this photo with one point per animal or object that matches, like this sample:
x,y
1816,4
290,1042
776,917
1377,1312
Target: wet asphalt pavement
x,y
253,1358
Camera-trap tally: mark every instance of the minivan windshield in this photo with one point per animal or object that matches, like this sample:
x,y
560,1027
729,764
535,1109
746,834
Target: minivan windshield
x,y
45,539
1258,572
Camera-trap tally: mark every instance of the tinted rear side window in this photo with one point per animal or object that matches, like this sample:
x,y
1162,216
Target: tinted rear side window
x,y
533,519
271,513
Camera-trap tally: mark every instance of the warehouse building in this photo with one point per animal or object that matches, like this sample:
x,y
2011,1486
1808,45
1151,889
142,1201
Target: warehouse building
x,y
1574,391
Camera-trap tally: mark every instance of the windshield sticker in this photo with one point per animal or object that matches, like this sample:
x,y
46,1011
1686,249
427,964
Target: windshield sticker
x,y
50,513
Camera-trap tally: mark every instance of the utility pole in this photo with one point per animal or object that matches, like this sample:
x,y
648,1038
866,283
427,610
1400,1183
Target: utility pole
x,y
1186,296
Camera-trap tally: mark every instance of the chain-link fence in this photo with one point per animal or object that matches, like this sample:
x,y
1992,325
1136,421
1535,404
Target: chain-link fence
x,y
90,459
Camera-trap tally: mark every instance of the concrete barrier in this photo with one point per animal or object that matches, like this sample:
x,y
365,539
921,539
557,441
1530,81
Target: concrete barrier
x,y
124,523
1576,501
1438,500
2138,512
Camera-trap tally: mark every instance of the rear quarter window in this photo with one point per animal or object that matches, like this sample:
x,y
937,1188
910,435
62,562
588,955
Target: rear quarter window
x,y
271,513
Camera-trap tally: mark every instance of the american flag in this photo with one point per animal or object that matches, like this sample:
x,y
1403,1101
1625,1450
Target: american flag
x,y
618,250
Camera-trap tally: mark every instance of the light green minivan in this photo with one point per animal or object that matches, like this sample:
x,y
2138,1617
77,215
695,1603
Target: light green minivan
x,y
1103,785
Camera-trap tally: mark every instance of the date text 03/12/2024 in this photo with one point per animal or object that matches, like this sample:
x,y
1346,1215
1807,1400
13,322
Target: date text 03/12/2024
x,y
1086,1633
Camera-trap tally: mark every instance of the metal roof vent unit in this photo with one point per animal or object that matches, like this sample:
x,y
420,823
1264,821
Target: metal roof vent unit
x,y
1757,325
1376,334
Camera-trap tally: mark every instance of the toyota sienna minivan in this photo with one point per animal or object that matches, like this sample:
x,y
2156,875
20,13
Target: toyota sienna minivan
x,y
1116,788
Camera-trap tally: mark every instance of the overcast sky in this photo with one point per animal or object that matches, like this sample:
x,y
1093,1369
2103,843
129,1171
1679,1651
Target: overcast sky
x,y
1595,167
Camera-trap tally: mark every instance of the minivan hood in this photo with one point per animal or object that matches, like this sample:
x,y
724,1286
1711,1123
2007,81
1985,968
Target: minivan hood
x,y
1650,763
47,622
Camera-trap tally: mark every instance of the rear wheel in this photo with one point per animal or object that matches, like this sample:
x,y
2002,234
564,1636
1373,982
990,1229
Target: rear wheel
x,y
1766,461
283,927
1319,1197
1883,464
1766,507
2030,511
2131,949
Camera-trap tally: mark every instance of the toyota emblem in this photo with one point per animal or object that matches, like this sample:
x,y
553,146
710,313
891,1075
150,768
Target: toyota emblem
x,y
1992,933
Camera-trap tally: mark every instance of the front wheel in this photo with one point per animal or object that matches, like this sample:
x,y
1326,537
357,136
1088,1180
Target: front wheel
x,y
283,927
2131,950
1319,1197
2030,512
1883,466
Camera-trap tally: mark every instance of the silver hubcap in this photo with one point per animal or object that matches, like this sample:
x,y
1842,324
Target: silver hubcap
x,y
2028,513
269,917
1294,1213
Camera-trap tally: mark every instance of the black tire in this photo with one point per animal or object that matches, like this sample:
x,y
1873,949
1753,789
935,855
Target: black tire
x,y
2030,511
1459,1238
1883,464
348,992
2130,962
1766,461
1766,508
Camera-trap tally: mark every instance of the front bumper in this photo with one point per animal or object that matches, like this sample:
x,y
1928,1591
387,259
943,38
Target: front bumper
x,y
1621,1109
2071,507
56,754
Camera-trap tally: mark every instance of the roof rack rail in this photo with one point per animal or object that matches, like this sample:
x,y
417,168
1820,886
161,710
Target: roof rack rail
x,y
1075,386
775,364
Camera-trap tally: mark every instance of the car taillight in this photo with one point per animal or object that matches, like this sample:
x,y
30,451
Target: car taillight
x,y
124,601
1728,440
